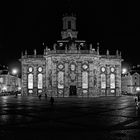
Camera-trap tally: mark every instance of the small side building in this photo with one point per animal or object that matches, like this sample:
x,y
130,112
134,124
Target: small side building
x,y
9,83
131,81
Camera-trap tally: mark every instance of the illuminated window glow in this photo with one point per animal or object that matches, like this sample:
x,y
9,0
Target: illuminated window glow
x,y
72,67
85,80
112,81
40,69
103,81
30,69
1,80
39,91
103,69
30,81
61,80
30,91
112,91
40,81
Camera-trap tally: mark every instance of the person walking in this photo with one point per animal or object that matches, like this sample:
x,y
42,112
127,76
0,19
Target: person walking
x,y
52,100
39,96
45,95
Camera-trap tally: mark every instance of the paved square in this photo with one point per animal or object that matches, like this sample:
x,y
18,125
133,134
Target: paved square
x,y
69,118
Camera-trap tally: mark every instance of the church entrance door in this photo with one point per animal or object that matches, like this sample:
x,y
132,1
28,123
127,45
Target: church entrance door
x,y
73,91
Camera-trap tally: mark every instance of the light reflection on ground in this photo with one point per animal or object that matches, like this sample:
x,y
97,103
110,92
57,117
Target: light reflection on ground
x,y
105,116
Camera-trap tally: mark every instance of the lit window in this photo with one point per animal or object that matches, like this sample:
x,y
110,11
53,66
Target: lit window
x,y
85,91
1,80
40,81
103,69
61,80
112,69
30,81
40,69
61,44
85,80
72,67
103,81
60,92
112,81
39,91
112,91
30,91
30,69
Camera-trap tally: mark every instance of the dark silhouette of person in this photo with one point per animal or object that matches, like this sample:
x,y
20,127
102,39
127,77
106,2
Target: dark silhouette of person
x,y
46,95
51,100
16,94
138,98
39,96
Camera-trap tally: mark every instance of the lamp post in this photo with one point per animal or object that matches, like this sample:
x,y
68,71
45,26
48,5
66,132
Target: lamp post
x,y
15,73
124,71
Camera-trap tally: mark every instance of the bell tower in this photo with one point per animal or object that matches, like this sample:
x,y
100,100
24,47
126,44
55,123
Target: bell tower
x,y
69,27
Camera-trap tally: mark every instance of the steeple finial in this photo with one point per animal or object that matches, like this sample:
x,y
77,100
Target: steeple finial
x,y
98,45
25,52
107,52
120,53
34,51
90,46
54,46
21,54
117,53
44,51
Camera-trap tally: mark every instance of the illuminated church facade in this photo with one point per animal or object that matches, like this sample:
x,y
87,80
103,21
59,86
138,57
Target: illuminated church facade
x,y
70,69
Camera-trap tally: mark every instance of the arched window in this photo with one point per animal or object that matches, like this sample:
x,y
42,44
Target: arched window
x,y
30,81
85,79
60,80
69,24
112,81
40,81
103,81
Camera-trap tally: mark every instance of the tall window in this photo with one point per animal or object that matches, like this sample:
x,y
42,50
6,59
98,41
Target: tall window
x,y
112,81
1,80
40,81
85,79
30,81
60,80
103,81
69,24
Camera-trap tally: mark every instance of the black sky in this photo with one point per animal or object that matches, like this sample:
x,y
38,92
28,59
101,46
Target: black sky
x,y
25,26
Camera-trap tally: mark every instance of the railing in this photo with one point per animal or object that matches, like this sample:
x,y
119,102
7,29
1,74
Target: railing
x,y
71,52
32,56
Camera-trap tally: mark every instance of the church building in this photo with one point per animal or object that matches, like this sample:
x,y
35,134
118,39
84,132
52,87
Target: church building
x,y
71,68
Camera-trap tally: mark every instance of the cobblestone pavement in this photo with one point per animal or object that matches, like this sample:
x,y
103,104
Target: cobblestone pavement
x,y
114,118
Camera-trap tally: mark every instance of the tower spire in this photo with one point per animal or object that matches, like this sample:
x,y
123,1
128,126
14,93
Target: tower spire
x,y
69,27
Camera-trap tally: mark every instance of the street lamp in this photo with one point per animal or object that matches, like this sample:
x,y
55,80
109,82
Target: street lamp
x,y
14,71
124,71
138,89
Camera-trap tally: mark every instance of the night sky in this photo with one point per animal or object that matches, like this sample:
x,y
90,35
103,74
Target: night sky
x,y
25,26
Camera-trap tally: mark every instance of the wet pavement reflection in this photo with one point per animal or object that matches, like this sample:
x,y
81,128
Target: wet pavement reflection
x,y
99,118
